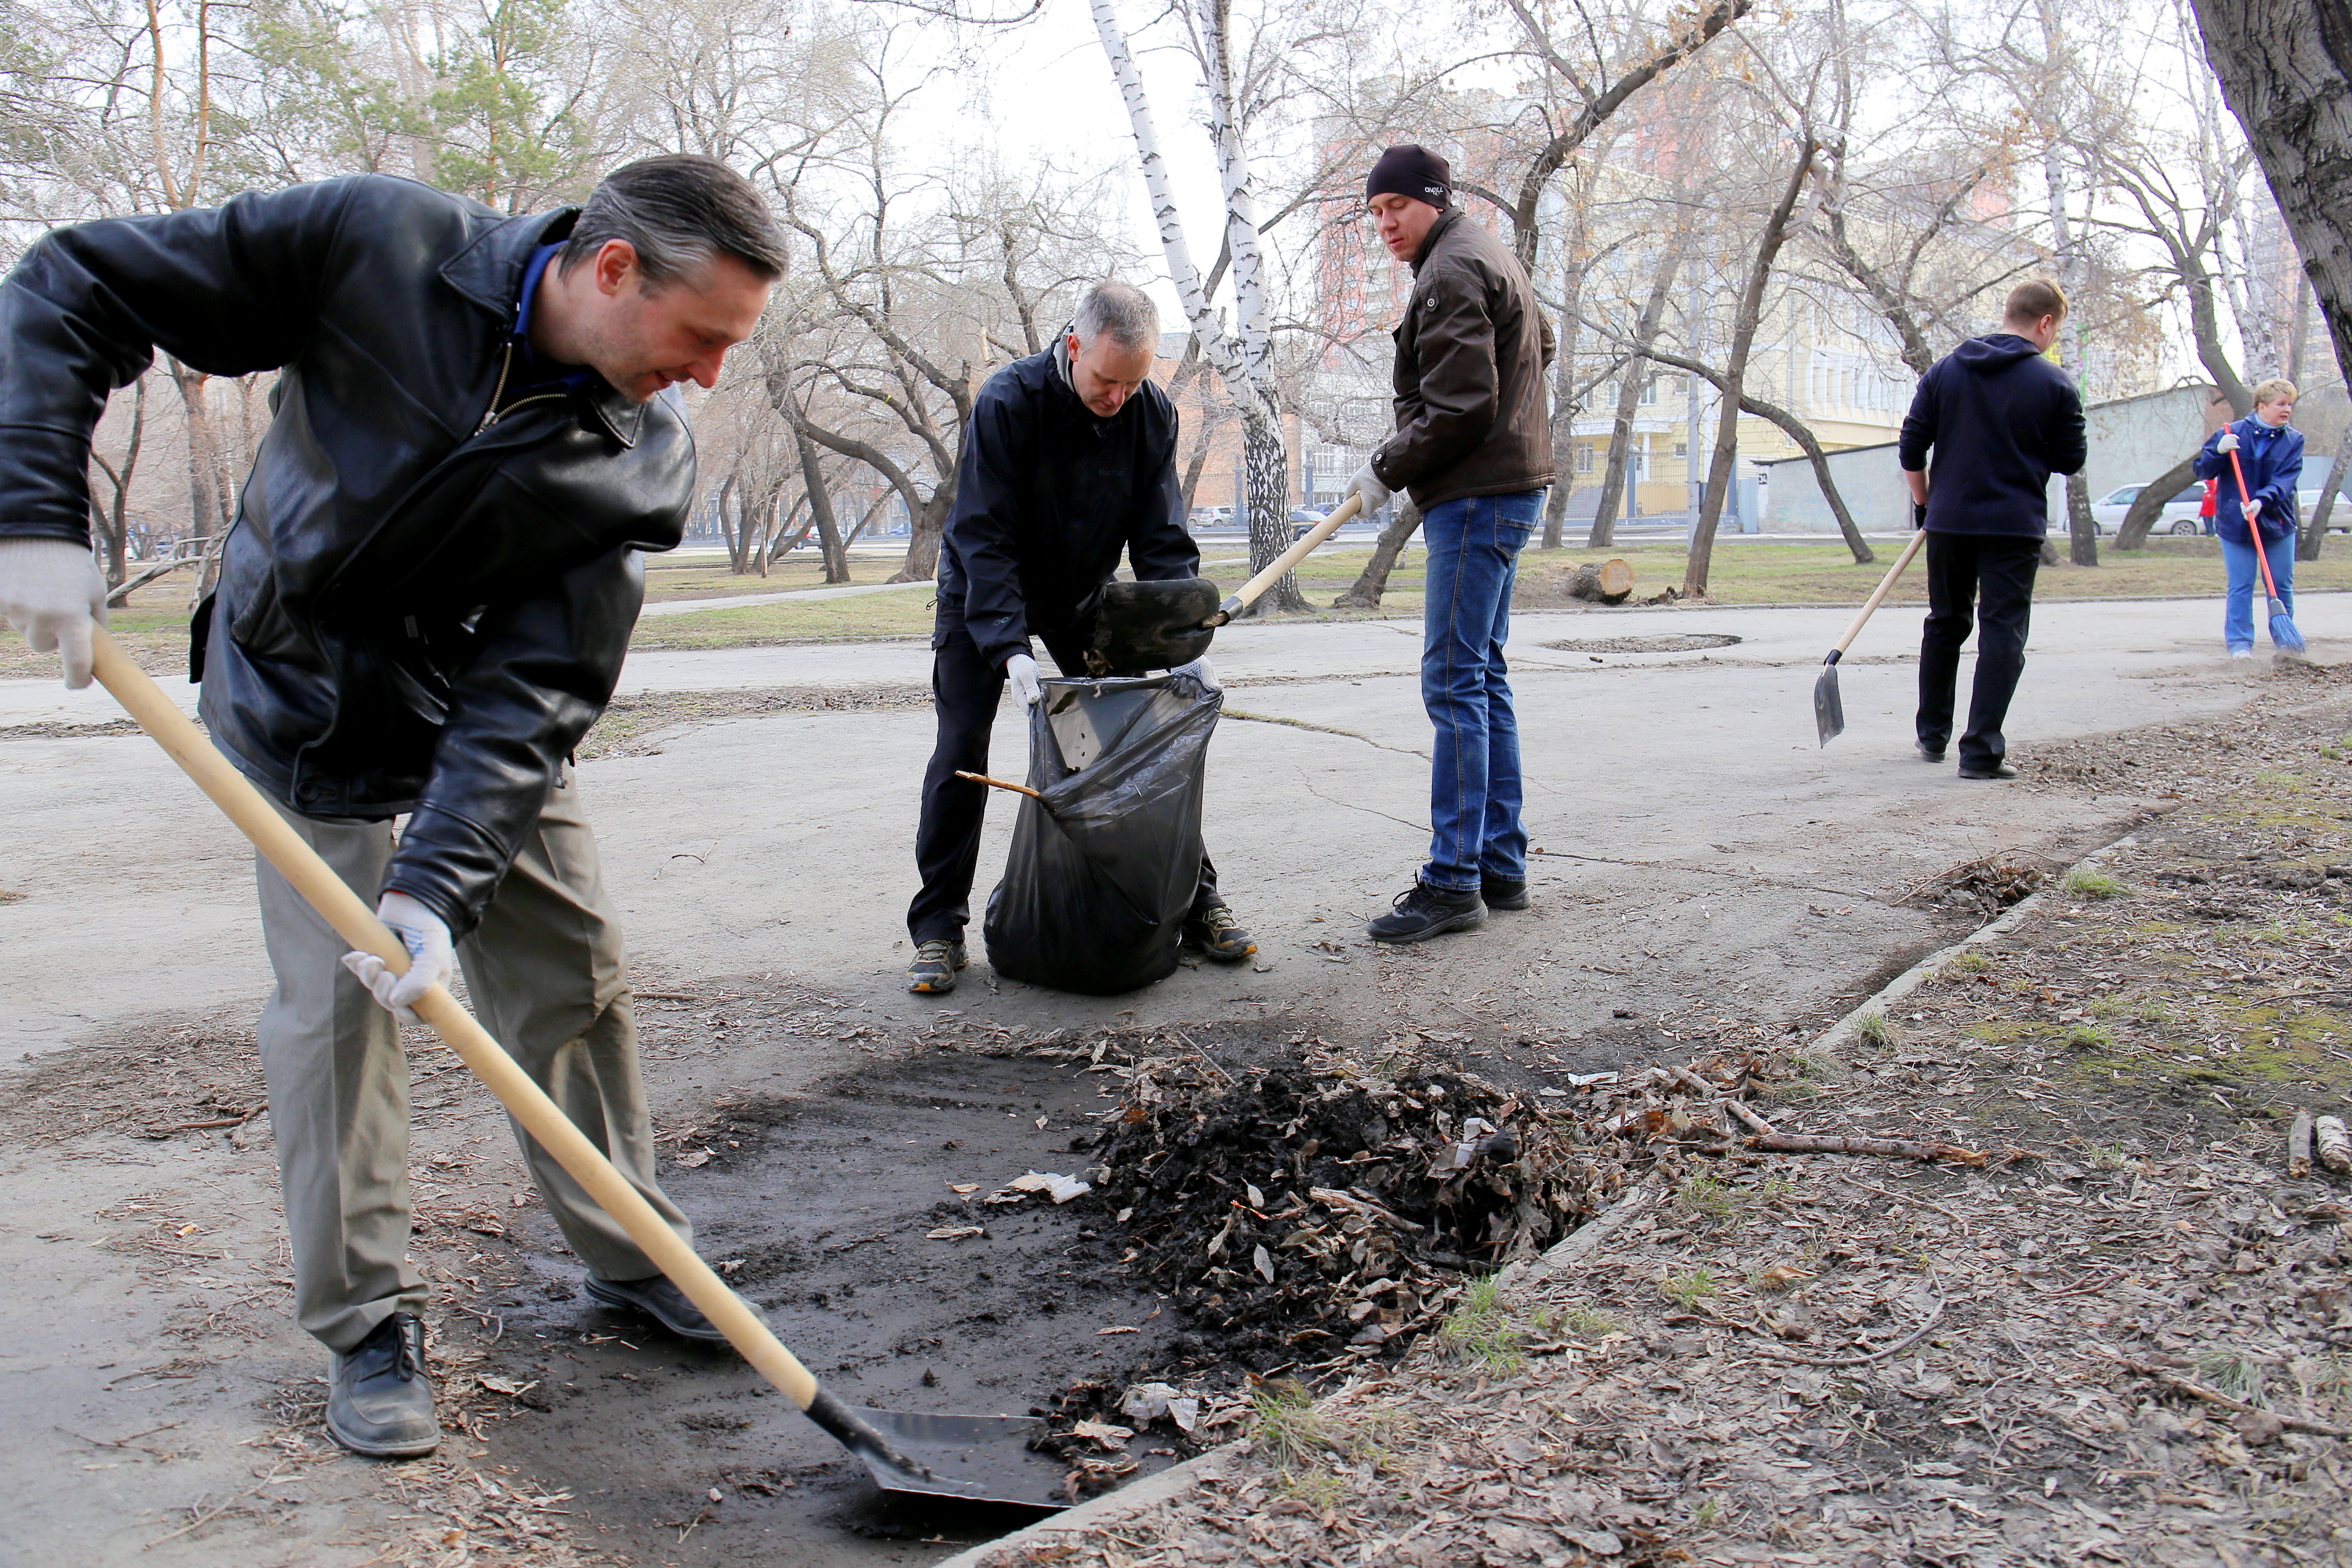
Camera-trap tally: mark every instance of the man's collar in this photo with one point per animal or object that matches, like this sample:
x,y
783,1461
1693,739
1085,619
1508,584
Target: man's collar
x,y
1445,220
491,272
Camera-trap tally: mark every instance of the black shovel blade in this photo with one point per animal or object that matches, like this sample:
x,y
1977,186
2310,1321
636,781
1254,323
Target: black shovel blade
x,y
1829,707
975,1458
1151,626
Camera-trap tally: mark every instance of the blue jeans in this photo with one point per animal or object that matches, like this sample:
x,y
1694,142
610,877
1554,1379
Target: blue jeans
x,y
2238,616
1474,789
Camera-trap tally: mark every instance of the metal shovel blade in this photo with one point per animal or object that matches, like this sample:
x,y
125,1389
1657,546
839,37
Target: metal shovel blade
x,y
978,1459
1151,626
1829,707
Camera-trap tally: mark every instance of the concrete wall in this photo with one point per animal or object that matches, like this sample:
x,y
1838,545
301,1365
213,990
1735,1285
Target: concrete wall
x,y
2131,439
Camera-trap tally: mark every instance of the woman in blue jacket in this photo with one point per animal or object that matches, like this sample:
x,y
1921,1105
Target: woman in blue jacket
x,y
2269,450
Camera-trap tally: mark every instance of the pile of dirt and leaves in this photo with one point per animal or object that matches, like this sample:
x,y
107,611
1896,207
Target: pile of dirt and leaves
x,y
2020,1267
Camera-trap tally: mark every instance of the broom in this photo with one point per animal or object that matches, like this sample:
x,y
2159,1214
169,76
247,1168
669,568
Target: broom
x,y
2283,631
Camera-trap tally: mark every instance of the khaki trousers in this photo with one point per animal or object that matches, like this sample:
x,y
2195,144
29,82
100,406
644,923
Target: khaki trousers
x,y
547,977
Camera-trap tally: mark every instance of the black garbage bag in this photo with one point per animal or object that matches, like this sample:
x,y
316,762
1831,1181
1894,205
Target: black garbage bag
x,y
1105,861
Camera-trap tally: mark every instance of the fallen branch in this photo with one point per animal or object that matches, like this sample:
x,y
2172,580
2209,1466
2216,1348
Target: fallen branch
x,y
1891,1148
1756,1124
2299,1146
1000,784
2215,1396
1881,1354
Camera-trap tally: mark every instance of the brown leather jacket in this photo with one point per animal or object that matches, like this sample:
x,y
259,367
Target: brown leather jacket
x,y
1471,417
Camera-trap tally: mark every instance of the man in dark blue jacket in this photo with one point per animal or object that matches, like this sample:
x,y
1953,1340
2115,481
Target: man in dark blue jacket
x,y
2000,419
1070,458
2269,452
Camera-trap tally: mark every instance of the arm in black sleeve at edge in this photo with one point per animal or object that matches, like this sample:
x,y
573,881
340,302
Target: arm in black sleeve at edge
x,y
228,290
980,528
1159,546
544,671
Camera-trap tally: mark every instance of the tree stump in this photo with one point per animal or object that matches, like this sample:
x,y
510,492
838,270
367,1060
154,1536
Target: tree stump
x,y
1609,582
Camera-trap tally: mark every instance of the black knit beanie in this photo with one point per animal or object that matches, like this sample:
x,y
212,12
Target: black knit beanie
x,y
1412,171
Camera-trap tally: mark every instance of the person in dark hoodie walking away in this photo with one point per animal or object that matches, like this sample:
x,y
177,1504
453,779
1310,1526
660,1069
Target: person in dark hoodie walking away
x,y
2000,420
1070,458
2269,450
1473,444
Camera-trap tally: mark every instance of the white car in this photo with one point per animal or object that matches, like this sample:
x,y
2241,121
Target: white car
x,y
2179,514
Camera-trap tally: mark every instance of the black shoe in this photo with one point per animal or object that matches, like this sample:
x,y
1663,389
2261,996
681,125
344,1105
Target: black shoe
x,y
1992,771
379,1403
935,966
1215,932
1422,912
1499,894
1930,754
665,1303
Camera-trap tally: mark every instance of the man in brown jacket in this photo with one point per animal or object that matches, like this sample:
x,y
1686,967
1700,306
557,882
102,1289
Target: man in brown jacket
x,y
1472,446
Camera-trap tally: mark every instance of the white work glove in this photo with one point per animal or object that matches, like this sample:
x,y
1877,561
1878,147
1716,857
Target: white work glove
x,y
1202,670
50,590
2229,442
431,958
1022,671
1368,485
2252,507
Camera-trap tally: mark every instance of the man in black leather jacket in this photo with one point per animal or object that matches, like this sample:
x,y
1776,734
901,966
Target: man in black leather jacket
x,y
1070,458
422,605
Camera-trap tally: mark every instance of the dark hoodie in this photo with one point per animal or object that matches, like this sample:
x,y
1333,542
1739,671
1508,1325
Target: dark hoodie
x,y
2002,419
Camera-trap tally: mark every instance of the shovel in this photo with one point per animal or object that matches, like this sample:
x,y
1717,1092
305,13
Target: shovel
x,y
1159,625
1829,709
982,1458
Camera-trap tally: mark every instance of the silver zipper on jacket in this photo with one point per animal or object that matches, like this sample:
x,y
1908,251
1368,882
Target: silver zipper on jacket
x,y
506,363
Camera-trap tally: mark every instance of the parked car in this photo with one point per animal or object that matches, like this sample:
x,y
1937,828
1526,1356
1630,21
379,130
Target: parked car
x,y
1211,517
2179,514
2339,517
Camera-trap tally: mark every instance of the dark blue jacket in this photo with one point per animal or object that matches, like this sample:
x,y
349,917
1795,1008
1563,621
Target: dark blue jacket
x,y
2272,459
1048,494
2002,419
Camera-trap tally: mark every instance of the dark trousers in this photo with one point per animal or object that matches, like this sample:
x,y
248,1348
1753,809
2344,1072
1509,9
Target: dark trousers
x,y
1987,578
966,688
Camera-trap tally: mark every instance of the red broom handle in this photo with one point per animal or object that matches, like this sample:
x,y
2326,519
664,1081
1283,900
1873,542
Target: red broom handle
x,y
2261,557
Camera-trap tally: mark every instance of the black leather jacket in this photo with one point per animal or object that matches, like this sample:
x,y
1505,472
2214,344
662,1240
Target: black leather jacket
x,y
423,607
1048,494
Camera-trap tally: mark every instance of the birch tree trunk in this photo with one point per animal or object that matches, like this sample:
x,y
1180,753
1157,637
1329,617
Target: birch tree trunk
x,y
2082,530
1735,377
1239,354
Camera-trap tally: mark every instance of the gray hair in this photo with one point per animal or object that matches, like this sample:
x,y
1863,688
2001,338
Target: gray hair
x,y
677,212
1123,311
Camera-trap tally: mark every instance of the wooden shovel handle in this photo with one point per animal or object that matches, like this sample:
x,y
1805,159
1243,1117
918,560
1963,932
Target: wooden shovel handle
x,y
356,924
1000,784
1276,569
1918,538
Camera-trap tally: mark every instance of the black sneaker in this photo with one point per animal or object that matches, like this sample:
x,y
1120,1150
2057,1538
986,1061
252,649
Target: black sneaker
x,y
1989,770
1499,894
1422,912
1929,753
665,1303
1215,932
379,1403
935,966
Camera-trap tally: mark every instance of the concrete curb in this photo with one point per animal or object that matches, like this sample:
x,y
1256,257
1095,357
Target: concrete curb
x,y
1830,1040
1095,1512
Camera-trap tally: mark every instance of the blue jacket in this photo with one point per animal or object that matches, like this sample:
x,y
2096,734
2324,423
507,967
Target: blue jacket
x,y
2273,459
2002,420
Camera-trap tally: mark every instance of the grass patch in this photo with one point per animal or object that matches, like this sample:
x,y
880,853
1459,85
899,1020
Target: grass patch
x,y
1872,1030
1284,1424
2088,1036
1479,1331
1970,962
1582,1322
2086,883
2230,1372
1689,1289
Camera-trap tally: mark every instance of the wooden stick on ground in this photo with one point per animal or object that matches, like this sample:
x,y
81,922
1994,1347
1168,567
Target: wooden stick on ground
x,y
1000,784
2299,1146
2215,1396
1891,1148
1756,1124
